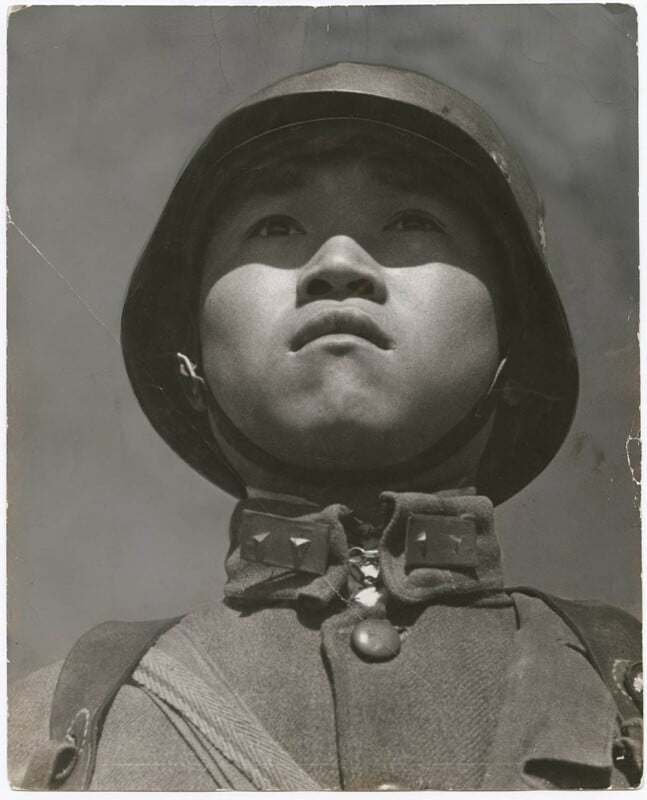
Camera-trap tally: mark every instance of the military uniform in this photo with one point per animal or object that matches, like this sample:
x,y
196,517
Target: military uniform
x,y
488,689
346,655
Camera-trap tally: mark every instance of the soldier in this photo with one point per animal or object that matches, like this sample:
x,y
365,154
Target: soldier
x,y
344,317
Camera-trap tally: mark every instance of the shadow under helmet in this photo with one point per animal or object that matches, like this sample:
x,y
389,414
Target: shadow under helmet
x,y
536,395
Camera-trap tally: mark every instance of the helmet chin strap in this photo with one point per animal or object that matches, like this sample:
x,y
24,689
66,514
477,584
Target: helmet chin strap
x,y
452,441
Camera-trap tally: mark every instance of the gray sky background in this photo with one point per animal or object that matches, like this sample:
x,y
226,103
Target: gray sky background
x,y
105,106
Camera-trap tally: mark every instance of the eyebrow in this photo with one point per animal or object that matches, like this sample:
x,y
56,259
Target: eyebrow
x,y
273,180
394,177
425,178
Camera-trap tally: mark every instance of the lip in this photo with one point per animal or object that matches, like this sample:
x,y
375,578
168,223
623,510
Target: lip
x,y
349,321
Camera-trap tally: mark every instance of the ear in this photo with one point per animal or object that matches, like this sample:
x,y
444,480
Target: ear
x,y
193,385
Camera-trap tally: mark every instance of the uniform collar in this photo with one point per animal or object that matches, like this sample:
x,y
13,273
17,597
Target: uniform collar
x,y
413,521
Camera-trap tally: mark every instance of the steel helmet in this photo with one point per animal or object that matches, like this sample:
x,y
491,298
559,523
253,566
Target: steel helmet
x,y
537,396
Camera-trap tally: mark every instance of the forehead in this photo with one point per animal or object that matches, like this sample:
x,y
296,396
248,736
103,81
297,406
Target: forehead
x,y
386,156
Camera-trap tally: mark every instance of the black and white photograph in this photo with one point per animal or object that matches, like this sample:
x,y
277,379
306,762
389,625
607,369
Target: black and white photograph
x,y
323,398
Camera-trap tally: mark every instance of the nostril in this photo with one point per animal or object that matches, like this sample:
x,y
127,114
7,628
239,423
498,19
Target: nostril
x,y
318,287
362,287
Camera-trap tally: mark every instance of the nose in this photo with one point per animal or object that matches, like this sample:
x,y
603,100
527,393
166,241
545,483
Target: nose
x,y
340,269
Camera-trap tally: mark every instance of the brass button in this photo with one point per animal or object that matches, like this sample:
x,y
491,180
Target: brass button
x,y
375,640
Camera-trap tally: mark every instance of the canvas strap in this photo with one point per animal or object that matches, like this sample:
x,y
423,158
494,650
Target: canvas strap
x,y
96,667
229,728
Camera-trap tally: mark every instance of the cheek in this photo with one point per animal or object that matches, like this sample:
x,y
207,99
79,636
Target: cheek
x,y
449,320
238,314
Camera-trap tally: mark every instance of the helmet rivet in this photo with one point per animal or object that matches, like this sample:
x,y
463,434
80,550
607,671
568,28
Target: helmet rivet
x,y
501,163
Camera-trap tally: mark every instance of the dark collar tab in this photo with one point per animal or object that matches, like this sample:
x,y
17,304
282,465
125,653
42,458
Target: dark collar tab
x,y
299,545
434,540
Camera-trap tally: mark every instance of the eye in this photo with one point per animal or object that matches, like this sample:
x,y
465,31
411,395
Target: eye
x,y
274,225
414,220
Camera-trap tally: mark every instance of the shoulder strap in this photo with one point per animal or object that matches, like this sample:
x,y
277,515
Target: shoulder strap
x,y
96,667
612,640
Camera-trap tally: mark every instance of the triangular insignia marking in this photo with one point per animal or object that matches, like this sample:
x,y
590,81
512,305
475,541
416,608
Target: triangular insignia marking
x,y
299,547
259,540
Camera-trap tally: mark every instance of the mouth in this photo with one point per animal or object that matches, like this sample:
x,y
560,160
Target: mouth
x,y
333,322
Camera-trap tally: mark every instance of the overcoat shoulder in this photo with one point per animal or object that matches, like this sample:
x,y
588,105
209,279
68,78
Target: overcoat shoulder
x,y
139,749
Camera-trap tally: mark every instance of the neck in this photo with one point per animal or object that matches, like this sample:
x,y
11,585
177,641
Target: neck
x,y
456,472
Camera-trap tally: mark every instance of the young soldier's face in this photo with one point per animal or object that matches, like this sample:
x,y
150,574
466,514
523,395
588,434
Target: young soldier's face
x,y
348,306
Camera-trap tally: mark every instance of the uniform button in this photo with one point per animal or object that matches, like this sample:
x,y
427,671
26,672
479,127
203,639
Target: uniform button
x,y
375,640
633,682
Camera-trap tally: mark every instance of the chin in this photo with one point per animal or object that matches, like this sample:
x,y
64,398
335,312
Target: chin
x,y
346,440
347,421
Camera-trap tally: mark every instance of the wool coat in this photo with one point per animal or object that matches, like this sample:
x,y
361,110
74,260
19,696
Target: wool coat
x,y
489,689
